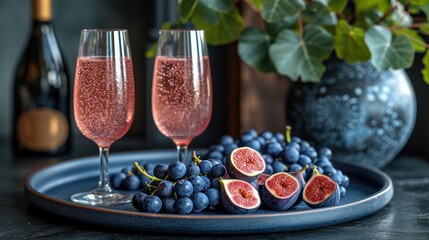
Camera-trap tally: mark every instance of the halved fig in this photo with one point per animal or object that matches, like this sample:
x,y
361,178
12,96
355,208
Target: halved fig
x,y
245,163
321,191
280,191
238,196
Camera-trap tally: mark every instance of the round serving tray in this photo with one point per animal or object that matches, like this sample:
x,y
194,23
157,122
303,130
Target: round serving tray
x,y
50,189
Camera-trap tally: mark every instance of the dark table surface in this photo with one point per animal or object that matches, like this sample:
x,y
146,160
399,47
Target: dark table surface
x,y
405,217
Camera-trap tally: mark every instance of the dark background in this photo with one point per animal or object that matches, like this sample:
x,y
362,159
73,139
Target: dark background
x,y
142,19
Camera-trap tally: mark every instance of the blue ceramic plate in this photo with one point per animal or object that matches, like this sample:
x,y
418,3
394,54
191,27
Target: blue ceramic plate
x,y
50,188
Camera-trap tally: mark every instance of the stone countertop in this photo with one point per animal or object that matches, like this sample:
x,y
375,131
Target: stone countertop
x,y
406,217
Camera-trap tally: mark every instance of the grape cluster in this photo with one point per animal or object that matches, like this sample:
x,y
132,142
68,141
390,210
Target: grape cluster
x,y
177,188
282,153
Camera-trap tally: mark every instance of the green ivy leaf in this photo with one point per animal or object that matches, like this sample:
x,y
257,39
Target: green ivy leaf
x,y
350,43
367,5
388,50
401,17
424,27
257,3
301,58
425,9
288,22
425,70
416,40
419,2
222,6
337,6
225,31
274,10
186,9
319,14
253,49
203,14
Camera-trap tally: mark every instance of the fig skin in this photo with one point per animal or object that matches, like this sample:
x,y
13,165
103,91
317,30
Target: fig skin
x,y
274,202
298,175
229,205
236,173
332,200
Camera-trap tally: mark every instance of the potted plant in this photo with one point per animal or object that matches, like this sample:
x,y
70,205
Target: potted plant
x,y
297,39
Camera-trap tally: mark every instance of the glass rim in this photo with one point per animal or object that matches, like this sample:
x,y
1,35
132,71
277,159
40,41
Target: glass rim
x,y
104,30
181,30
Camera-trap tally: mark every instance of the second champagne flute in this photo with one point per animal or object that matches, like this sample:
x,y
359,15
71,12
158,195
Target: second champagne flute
x,y
182,87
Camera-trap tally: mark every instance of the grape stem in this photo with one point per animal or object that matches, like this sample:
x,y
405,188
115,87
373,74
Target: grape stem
x,y
288,134
143,171
197,159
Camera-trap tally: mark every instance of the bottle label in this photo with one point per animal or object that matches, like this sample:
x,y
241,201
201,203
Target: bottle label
x,y
42,129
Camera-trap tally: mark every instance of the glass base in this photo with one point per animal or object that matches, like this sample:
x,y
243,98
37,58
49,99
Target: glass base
x,y
101,198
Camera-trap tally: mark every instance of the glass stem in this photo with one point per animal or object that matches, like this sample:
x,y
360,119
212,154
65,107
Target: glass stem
x,y
181,154
103,184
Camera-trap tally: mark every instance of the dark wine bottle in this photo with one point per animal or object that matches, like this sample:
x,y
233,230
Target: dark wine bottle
x,y
41,119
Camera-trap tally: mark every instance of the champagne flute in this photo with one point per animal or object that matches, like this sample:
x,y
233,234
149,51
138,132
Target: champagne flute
x,y
182,87
103,101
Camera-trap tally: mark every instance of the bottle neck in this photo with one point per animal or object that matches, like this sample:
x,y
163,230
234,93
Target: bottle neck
x,y
42,10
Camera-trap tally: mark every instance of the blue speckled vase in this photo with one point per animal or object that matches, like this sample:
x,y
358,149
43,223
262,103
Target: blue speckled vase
x,y
365,116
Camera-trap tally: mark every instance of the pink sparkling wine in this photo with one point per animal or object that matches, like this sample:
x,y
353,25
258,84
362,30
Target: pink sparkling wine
x,y
181,97
104,98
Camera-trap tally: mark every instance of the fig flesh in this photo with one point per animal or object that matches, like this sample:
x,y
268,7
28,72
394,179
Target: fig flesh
x,y
245,163
321,191
238,196
280,192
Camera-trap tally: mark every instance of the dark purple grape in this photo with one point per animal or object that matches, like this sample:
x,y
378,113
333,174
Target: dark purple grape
x,y
200,201
218,170
273,149
325,152
294,145
176,170
343,191
323,161
279,136
160,171
192,170
149,168
229,148
117,179
226,139
296,139
205,167
267,135
346,181
165,189
152,204
294,167
336,177
304,159
214,161
214,154
215,183
304,145
268,169
245,137
131,182
213,195
206,181
183,188
217,147
311,153
254,143
251,132
168,205
197,183
261,140
278,167
268,159
184,205
289,155
137,200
